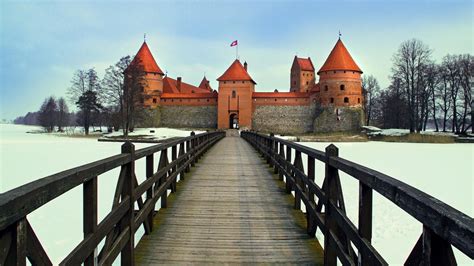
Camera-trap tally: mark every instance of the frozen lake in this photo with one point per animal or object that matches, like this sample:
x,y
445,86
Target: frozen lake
x,y
444,171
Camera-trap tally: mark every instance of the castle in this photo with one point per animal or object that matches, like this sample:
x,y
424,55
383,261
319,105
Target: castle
x,y
334,103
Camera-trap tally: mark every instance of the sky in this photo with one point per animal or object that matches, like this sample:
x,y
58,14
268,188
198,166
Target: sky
x,y
42,43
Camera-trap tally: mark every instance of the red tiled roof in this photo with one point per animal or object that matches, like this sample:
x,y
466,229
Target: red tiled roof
x,y
170,85
236,72
205,84
145,58
340,59
305,64
280,94
188,95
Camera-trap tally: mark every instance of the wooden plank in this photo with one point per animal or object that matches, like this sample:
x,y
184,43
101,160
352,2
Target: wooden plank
x,y
89,199
231,209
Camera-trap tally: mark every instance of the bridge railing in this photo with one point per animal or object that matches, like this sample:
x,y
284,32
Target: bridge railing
x,y
443,226
19,242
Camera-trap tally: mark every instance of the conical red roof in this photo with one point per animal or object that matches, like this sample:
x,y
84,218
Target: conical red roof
x,y
145,58
236,72
205,84
339,59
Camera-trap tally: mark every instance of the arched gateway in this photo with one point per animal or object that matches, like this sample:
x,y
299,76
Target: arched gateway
x,y
234,121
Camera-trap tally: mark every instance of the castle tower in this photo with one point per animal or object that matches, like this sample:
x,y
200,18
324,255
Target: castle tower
x,y
340,79
302,78
235,97
205,84
153,86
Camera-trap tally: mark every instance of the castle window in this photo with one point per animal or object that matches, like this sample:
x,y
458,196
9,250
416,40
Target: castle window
x,y
207,100
358,100
275,100
346,100
344,71
192,91
243,82
233,82
307,82
342,87
294,82
326,88
154,100
165,100
172,100
180,100
224,82
334,72
332,100
234,94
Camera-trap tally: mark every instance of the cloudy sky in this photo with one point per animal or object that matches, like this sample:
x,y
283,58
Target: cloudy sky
x,y
42,43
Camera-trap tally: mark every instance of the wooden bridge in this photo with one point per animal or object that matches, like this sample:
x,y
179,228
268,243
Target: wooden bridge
x,y
232,204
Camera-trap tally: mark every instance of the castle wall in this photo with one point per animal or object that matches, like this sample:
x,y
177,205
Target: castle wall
x,y
186,116
334,119
330,83
284,119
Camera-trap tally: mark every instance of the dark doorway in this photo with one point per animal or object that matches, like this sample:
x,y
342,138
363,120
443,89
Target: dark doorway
x,y
233,121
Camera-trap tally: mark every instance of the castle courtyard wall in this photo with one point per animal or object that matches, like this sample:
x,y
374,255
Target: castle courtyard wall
x,y
180,116
284,119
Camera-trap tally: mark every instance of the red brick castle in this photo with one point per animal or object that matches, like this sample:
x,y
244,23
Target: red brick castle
x,y
332,104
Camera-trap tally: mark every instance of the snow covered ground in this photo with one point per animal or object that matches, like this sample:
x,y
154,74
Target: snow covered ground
x,y
25,157
445,171
154,133
442,170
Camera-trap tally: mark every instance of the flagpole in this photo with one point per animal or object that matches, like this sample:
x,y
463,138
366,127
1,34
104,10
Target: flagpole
x,y
237,51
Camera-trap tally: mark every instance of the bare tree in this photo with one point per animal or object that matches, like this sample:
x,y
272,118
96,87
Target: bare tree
x,y
113,90
466,72
47,114
371,89
133,95
409,64
433,81
63,116
452,72
84,92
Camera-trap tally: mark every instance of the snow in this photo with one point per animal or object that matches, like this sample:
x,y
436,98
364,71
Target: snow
x,y
159,133
445,171
390,132
25,157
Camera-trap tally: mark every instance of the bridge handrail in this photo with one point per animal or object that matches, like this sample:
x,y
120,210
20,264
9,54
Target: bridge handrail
x,y
443,225
21,241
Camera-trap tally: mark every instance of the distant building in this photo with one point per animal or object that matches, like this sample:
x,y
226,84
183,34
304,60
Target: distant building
x,y
334,103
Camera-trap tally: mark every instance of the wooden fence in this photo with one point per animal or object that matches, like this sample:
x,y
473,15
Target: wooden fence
x,y
18,240
443,226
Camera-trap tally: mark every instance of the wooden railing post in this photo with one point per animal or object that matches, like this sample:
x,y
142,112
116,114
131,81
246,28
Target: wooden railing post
x,y
193,147
281,159
127,254
310,220
162,164
180,154
174,155
330,258
188,149
288,184
89,217
365,215
298,164
149,192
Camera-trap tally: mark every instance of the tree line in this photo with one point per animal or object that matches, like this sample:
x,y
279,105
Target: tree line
x,y
115,101
422,93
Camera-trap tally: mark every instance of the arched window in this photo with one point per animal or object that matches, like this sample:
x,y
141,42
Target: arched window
x,y
307,82
346,100
192,91
332,100
154,100
358,100
234,94
326,88
342,87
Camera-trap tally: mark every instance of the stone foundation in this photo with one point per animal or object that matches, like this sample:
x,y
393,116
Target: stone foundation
x,y
189,116
283,119
334,119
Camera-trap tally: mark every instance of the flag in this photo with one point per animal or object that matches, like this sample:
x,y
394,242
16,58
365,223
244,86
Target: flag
x,y
234,43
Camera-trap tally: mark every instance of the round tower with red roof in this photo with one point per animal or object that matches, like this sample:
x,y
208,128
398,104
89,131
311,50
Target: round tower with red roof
x,y
234,105
340,81
153,87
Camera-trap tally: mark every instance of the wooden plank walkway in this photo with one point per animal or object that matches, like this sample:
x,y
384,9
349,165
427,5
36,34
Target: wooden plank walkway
x,y
230,209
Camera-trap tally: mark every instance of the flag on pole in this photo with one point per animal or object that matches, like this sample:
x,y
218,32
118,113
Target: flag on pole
x,y
234,43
